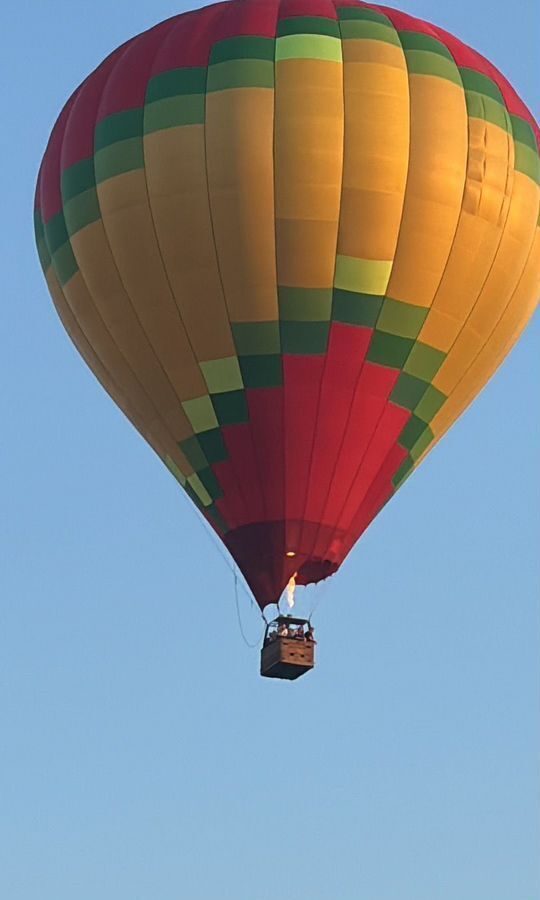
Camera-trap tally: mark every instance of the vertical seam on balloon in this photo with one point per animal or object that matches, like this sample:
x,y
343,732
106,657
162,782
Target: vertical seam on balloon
x,y
321,384
336,528
457,225
321,381
152,219
97,313
245,389
254,444
452,245
88,353
511,173
174,448
283,389
172,24
459,218
283,408
224,10
121,281
470,313
374,432
284,403
510,344
168,35
67,311
252,440
496,324
473,306
174,443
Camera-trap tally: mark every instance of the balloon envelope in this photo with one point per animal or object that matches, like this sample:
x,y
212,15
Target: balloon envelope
x,y
293,240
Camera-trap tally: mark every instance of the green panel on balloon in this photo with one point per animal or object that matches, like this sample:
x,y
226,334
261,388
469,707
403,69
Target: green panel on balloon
x,y
308,25
256,338
243,47
356,309
231,407
304,337
78,179
261,371
178,82
389,350
174,111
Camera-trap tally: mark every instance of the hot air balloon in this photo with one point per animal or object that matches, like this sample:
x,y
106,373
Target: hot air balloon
x,y
293,240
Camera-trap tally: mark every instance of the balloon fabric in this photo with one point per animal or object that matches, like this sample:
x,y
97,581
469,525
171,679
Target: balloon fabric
x,y
293,240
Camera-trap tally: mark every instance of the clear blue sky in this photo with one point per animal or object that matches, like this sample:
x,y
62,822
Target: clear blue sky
x,y
140,762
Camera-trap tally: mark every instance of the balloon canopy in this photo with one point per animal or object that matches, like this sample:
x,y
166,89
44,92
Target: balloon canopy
x,y
293,240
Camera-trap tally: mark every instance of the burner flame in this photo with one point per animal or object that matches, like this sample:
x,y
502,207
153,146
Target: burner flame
x,y
290,589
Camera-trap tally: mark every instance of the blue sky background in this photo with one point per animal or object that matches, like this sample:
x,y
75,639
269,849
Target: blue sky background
x,y
141,756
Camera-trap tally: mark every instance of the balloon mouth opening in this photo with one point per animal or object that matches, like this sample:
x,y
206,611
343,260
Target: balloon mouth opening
x,y
269,554
313,570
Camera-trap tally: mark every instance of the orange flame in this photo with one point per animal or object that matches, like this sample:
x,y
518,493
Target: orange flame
x,y
290,589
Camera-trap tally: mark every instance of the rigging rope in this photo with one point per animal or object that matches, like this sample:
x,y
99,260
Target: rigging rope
x,y
320,593
241,627
225,555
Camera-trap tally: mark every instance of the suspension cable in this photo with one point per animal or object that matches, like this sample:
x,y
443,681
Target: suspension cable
x,y
239,618
320,593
